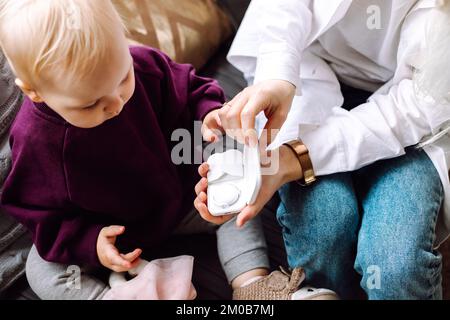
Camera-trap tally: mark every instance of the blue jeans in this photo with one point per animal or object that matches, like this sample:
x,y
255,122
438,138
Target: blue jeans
x,y
372,229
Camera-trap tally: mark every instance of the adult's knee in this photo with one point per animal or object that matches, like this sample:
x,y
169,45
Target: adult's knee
x,y
398,270
320,225
325,213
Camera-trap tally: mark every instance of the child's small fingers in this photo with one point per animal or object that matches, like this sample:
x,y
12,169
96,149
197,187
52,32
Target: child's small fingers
x,y
120,262
116,260
132,255
113,231
116,268
135,263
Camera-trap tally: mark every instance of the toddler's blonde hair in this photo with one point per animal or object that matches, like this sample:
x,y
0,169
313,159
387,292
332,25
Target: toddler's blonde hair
x,y
67,36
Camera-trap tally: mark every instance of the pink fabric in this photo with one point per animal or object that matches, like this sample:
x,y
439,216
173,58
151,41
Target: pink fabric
x,y
163,279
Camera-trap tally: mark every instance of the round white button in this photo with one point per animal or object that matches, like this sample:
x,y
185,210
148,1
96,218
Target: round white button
x,y
227,196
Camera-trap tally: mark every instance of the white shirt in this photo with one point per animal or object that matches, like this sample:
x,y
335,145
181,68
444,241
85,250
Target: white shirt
x,y
312,44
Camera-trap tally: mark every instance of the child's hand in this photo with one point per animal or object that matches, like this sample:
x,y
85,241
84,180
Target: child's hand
x,y
212,127
108,254
201,200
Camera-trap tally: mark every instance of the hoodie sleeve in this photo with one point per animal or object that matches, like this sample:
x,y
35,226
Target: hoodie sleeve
x,y
179,83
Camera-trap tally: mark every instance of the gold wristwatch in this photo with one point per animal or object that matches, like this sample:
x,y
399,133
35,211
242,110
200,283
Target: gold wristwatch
x,y
302,154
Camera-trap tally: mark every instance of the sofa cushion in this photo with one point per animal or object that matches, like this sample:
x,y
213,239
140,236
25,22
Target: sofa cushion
x,y
10,97
236,10
14,242
10,100
12,261
189,31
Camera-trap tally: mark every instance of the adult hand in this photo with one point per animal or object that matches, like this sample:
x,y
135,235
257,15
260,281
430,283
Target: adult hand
x,y
288,170
200,202
274,97
211,127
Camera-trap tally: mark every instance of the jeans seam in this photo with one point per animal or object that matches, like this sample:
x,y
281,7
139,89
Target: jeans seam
x,y
433,274
435,217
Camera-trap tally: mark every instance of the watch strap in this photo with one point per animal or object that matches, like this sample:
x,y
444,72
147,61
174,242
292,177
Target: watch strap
x,y
302,154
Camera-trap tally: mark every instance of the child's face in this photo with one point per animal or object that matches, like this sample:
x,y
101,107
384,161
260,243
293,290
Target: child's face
x,y
99,97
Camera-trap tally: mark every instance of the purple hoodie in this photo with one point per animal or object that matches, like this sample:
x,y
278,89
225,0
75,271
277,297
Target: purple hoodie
x,y
67,183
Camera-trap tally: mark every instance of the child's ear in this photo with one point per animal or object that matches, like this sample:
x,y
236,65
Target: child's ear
x,y
29,91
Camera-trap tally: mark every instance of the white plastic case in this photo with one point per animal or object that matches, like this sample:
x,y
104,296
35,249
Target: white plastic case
x,y
234,180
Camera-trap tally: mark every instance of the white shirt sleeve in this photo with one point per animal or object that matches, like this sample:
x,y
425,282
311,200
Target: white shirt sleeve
x,y
379,129
272,37
285,27
394,118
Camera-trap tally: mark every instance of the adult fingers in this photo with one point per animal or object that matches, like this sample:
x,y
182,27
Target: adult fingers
x,y
272,127
268,189
253,107
209,135
200,205
201,186
230,116
211,128
203,170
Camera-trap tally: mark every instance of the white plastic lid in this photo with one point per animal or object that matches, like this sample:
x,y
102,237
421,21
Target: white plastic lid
x,y
234,180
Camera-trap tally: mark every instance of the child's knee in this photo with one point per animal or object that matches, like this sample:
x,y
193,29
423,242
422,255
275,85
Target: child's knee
x,y
54,281
49,280
39,275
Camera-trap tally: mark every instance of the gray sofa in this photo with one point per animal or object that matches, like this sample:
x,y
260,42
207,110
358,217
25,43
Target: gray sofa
x,y
14,240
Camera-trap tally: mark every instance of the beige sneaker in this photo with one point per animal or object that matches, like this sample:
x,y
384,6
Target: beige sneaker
x,y
282,285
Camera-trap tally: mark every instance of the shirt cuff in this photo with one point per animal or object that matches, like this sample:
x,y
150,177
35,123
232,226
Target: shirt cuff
x,y
278,65
326,149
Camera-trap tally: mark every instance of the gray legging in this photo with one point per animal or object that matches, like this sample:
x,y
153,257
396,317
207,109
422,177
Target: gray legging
x,y
240,250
